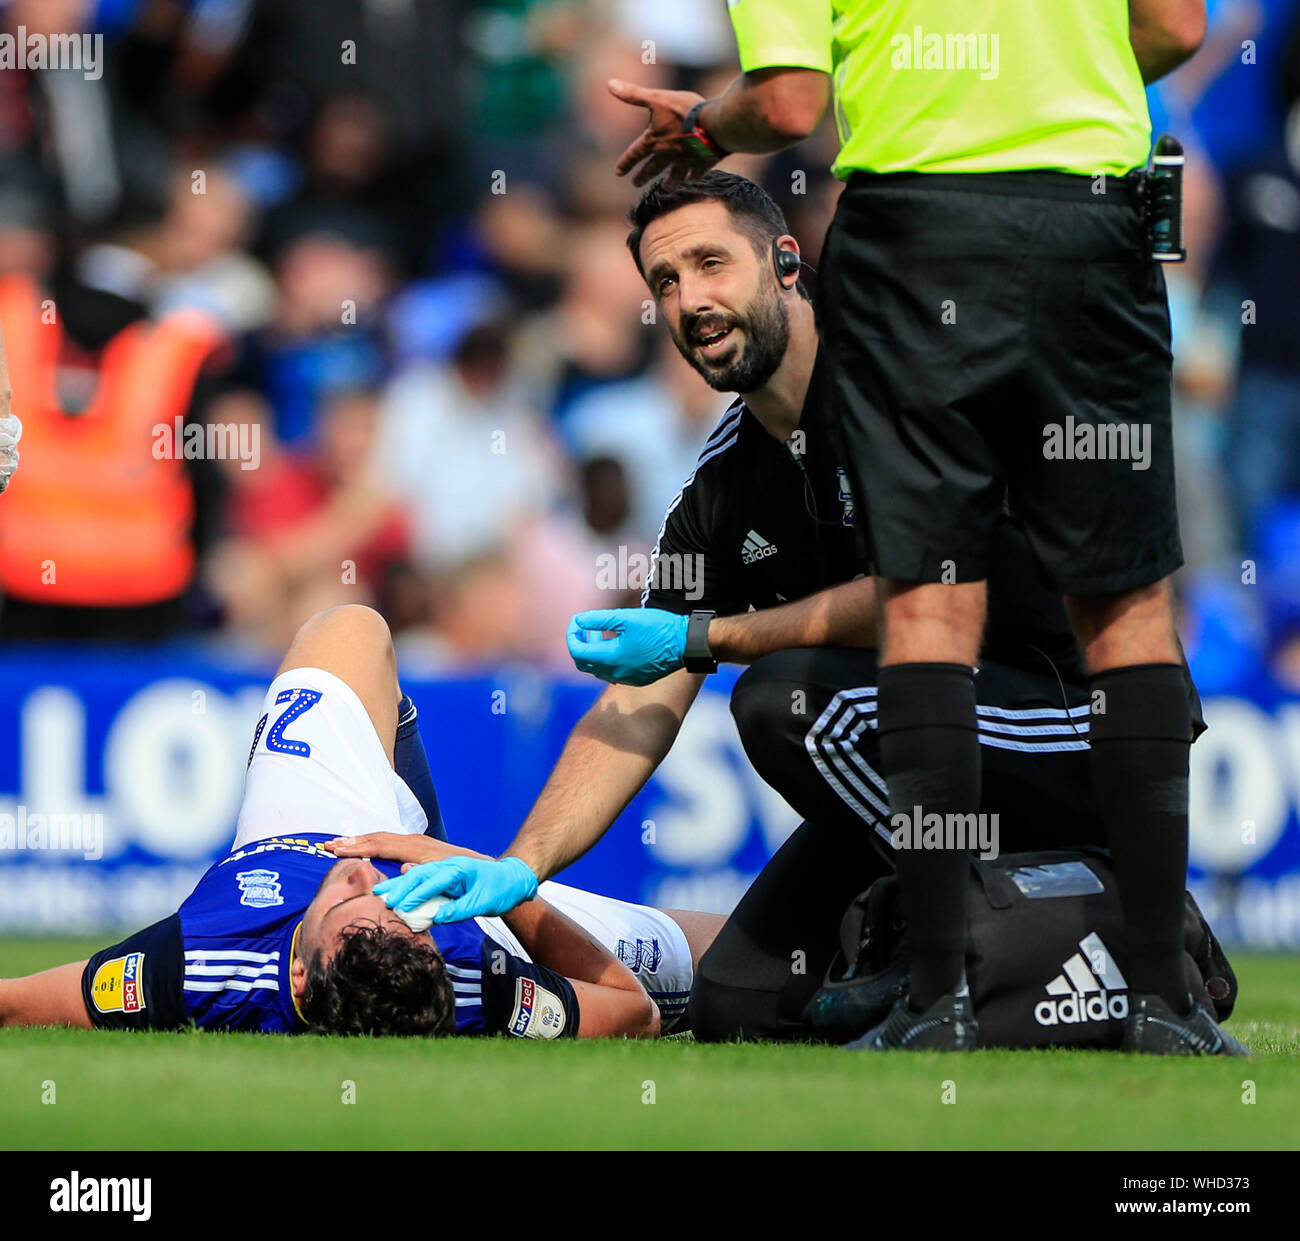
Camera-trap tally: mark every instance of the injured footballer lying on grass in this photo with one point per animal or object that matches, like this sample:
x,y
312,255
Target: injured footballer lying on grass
x,y
289,933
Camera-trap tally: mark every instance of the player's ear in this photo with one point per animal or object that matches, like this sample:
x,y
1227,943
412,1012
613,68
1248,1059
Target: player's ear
x,y
298,978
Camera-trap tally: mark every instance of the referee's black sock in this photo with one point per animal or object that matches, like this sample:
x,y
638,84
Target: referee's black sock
x,y
929,747
1140,734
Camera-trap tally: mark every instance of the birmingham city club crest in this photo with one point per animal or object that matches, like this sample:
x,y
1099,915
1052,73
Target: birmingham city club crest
x,y
641,955
260,888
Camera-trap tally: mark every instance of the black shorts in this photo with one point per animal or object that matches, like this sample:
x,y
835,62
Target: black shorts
x,y
1002,334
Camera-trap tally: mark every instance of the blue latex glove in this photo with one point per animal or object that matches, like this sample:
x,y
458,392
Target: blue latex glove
x,y
649,644
482,887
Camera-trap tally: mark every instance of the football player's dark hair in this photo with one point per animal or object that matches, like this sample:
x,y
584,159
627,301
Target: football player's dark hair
x,y
751,207
379,982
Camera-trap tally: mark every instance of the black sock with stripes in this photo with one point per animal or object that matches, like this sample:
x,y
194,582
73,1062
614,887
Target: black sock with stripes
x,y
1140,737
929,747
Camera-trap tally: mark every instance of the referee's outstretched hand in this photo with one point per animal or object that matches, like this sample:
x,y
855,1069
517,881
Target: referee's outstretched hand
x,y
662,139
643,645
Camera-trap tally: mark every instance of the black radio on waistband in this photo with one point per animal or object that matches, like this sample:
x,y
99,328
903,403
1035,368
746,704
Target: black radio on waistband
x,y
1164,201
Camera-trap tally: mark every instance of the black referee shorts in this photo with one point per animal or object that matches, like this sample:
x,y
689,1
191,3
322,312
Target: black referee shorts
x,y
1002,333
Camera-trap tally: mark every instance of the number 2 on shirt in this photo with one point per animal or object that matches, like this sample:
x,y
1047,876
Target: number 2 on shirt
x,y
300,701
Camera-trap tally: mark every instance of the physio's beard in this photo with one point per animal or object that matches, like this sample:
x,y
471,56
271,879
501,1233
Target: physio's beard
x,y
767,336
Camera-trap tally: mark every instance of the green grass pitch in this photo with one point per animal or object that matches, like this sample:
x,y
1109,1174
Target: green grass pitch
x,y
213,1091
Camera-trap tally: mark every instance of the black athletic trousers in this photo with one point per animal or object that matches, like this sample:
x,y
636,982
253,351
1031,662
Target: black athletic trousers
x,y
807,721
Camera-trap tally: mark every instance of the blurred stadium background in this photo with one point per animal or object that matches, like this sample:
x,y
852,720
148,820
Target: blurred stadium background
x,y
398,225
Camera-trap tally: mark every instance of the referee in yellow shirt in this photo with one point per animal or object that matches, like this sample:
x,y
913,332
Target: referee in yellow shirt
x,y
995,329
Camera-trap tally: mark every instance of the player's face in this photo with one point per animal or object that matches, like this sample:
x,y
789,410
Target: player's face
x,y
346,898
720,298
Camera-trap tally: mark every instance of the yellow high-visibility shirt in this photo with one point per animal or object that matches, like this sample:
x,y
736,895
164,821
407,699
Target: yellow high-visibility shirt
x,y
964,85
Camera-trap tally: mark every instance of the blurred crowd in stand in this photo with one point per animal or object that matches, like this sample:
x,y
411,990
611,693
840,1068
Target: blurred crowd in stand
x,y
380,245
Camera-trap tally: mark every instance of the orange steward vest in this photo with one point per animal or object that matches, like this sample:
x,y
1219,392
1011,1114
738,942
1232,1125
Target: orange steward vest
x,y
94,516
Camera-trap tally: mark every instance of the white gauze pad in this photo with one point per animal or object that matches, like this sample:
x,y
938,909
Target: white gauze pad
x,y
421,917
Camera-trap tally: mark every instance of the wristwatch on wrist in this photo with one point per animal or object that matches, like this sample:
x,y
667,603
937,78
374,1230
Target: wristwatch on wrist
x,y
698,657
697,137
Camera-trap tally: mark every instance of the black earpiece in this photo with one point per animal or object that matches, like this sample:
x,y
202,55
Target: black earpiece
x,y
786,262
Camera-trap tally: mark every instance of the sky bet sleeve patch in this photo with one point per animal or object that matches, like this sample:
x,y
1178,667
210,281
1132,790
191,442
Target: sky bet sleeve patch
x,y
136,985
538,1013
522,999
118,986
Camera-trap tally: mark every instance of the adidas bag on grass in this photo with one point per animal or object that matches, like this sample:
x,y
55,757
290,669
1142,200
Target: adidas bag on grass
x,y
1046,962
